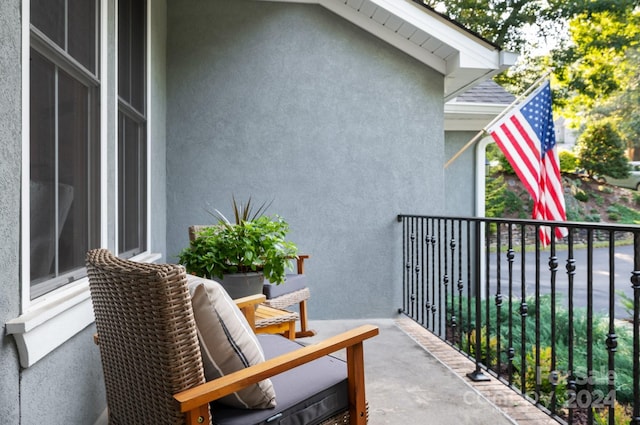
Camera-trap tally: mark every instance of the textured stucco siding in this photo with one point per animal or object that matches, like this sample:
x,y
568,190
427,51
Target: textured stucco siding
x,y
460,175
10,148
289,102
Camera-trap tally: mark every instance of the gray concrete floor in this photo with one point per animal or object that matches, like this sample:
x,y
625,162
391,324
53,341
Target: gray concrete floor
x,y
405,384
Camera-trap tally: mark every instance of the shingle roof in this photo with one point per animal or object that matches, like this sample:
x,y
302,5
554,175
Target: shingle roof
x,y
486,92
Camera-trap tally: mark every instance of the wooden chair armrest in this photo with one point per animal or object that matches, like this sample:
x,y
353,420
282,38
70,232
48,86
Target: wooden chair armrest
x,y
250,301
195,400
248,307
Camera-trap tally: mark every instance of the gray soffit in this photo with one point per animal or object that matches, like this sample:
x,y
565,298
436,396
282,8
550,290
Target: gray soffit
x,y
462,57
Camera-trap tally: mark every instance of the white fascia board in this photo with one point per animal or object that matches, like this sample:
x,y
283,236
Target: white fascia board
x,y
474,52
470,116
468,108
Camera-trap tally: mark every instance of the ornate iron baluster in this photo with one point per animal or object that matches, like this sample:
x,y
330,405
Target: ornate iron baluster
x,y
524,310
511,352
611,341
571,271
635,284
553,268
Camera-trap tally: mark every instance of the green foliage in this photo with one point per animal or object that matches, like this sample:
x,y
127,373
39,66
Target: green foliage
x,y
606,189
499,200
542,311
254,243
626,302
601,151
581,196
568,161
593,218
594,52
506,165
623,214
596,67
622,415
496,20
636,198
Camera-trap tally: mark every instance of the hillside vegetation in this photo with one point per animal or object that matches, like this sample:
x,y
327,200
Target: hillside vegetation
x,y
586,200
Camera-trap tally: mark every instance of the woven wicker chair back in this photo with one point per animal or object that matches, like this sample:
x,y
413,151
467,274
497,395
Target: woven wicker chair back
x,y
147,337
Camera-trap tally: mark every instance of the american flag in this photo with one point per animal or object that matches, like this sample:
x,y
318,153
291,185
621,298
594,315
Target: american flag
x,y
527,138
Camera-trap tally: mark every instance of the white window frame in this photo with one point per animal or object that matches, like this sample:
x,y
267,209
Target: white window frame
x,y
144,257
50,320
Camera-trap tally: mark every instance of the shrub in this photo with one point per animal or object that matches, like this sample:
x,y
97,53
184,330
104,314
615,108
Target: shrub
x,y
601,151
568,161
581,196
543,311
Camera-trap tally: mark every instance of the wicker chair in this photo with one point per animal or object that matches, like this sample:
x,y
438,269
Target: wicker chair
x,y
150,353
282,299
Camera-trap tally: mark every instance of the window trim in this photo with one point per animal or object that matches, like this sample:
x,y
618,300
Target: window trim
x,y
50,320
146,117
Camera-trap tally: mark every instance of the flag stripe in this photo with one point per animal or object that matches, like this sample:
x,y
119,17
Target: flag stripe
x,y
522,160
526,137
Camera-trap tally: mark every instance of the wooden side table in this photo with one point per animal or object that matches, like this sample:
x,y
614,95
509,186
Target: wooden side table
x,y
271,320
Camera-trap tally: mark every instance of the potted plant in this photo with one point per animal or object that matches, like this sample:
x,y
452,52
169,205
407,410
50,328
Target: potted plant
x,y
240,255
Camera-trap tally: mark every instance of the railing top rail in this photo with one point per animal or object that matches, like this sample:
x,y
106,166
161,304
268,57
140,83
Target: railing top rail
x,y
611,227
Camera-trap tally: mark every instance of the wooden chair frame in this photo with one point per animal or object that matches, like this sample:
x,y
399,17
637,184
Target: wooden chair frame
x,y
146,315
195,402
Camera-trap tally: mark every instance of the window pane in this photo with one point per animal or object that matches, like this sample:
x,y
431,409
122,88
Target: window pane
x,y
73,169
82,32
132,148
64,173
49,17
138,55
131,53
132,186
42,168
64,190
124,49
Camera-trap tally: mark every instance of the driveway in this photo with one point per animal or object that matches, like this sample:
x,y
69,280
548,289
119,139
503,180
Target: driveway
x,y
621,271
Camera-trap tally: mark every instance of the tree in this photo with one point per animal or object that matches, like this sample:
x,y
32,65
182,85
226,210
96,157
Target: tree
x,y
496,20
595,49
601,151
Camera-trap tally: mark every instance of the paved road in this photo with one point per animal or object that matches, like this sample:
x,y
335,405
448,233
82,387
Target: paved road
x,y
623,266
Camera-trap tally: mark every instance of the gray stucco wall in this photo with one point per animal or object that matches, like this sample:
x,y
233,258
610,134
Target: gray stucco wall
x,y
10,147
460,176
65,387
292,103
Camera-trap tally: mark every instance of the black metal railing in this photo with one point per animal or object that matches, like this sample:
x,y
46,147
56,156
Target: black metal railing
x,y
567,339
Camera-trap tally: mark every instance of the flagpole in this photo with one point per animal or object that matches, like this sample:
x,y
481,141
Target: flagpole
x,y
498,117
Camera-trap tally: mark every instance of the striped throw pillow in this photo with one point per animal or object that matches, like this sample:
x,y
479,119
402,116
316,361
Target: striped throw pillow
x,y
227,342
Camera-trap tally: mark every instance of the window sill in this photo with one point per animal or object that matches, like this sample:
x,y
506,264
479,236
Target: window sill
x,y
56,319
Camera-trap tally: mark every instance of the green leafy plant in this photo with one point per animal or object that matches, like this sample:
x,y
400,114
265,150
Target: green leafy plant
x,y
254,243
568,161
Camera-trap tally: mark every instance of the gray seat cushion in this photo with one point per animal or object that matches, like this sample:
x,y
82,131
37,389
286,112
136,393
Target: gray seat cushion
x,y
306,395
292,283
